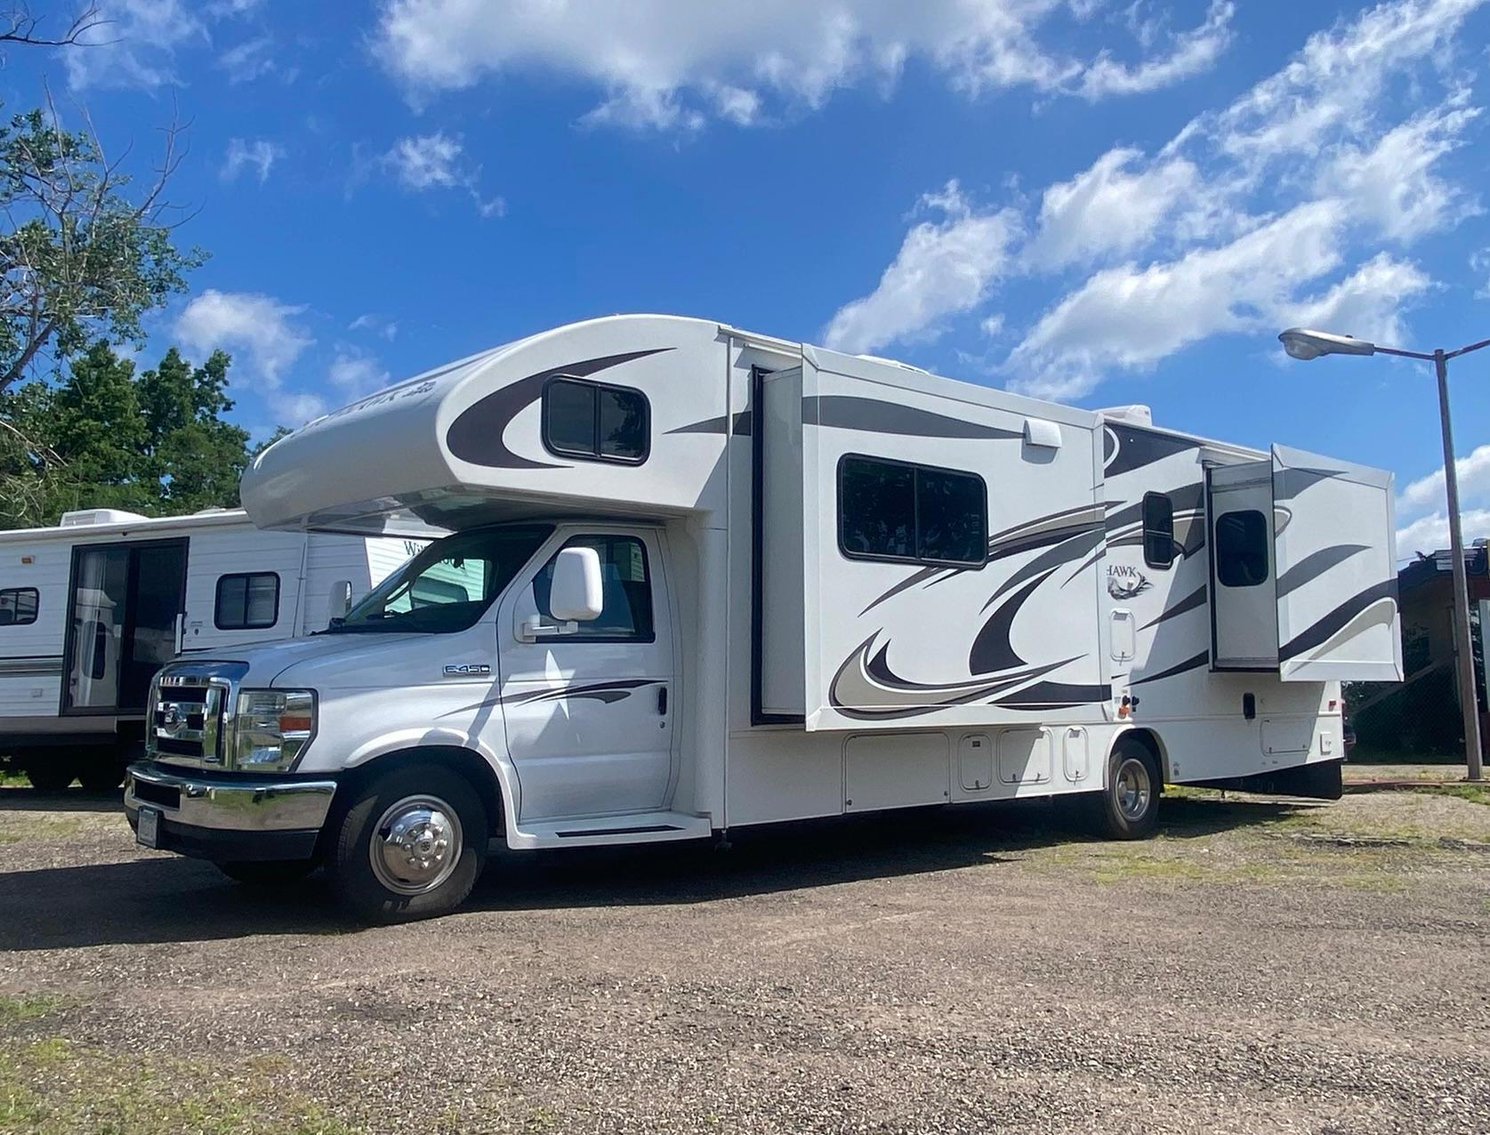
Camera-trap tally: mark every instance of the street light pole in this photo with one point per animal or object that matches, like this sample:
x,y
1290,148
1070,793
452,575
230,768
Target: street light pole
x,y
1306,345
1463,643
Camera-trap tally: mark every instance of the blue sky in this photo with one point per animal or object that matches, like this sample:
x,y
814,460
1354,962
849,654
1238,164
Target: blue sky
x,y
1102,202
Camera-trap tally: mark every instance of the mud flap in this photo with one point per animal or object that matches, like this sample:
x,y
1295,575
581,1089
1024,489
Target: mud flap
x,y
1318,781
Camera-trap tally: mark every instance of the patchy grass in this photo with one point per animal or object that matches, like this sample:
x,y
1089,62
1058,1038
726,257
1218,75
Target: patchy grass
x,y
1474,793
21,1010
52,1087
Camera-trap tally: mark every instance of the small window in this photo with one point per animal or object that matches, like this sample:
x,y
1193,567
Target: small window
x,y
888,510
626,614
1158,530
595,422
247,601
18,606
1242,549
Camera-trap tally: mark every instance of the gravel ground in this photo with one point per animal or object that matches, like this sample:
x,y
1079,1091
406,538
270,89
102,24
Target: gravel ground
x,y
1261,966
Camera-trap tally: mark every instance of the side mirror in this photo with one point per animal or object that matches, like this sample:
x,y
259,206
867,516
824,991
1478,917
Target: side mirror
x,y
340,601
576,594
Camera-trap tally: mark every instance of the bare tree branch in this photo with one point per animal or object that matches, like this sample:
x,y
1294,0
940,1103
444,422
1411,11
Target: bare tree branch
x,y
19,26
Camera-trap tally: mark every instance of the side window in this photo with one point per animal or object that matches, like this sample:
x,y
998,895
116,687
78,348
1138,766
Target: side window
x,y
18,606
1158,530
595,422
247,601
1242,548
626,615
888,510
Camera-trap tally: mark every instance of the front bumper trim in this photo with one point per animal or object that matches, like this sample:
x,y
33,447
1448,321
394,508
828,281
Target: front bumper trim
x,y
228,804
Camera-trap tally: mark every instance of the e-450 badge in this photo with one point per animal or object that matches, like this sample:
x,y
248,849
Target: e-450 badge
x,y
468,670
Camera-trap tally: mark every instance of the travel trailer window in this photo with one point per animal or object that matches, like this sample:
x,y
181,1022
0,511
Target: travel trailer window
x,y
595,422
449,585
1242,549
18,606
247,601
888,510
1158,530
626,614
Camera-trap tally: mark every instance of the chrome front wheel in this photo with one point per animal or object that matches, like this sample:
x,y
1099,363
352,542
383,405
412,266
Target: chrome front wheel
x,y
416,844
1133,790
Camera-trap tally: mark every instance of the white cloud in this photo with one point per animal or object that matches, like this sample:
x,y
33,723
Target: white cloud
x,y
294,408
944,267
1132,316
134,44
1431,533
437,161
1393,184
673,64
258,154
1271,211
1108,209
1195,51
375,324
248,60
1428,492
258,328
356,374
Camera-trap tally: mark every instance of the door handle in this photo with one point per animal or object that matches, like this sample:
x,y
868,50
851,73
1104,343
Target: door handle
x,y
662,700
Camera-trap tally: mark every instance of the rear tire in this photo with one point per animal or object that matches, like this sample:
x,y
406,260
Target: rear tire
x,y
268,872
1128,807
52,774
411,845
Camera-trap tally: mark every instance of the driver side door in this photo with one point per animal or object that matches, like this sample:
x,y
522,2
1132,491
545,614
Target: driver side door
x,y
588,706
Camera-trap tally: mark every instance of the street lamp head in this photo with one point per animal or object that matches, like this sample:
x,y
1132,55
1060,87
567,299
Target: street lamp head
x,y
1305,345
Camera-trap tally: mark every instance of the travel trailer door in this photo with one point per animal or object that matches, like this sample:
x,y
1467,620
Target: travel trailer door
x,y
1240,514
1335,550
122,623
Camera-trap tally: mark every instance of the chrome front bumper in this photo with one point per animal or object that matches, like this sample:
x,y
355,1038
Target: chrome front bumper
x,y
229,816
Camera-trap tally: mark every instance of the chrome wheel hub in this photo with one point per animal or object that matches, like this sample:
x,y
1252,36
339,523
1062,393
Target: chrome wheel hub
x,y
1133,789
416,845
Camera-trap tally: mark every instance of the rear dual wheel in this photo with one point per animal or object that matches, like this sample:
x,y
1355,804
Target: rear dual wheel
x,y
1128,807
410,845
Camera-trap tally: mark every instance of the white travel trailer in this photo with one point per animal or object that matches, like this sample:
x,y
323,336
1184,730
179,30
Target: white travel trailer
x,y
702,578
91,608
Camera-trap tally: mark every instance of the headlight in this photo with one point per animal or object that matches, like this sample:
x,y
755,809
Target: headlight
x,y
272,728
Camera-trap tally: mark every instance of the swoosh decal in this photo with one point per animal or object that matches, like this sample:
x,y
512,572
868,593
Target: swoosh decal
x,y
476,435
1189,664
1315,564
1380,600
1188,603
845,412
992,649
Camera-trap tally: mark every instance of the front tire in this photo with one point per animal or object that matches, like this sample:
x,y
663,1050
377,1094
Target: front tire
x,y
52,774
1128,807
411,845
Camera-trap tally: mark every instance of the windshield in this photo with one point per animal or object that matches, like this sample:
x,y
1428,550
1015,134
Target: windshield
x,y
449,585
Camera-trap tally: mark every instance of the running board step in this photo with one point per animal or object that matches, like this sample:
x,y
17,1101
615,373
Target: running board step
x,y
639,827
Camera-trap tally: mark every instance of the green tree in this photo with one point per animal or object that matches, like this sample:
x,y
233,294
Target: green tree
x,y
81,256
104,436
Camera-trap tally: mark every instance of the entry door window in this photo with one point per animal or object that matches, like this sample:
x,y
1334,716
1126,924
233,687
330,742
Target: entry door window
x,y
100,599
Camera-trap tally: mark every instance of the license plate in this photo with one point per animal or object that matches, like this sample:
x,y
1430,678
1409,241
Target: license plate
x,y
147,833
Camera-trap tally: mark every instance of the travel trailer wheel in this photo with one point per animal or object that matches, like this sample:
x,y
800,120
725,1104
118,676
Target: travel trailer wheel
x,y
51,774
411,845
1128,807
268,872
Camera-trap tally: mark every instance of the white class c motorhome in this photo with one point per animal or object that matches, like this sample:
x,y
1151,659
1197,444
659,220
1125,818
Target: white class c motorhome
x,y
701,579
91,608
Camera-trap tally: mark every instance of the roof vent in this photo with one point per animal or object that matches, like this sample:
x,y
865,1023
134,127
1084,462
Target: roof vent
x,y
1138,415
87,517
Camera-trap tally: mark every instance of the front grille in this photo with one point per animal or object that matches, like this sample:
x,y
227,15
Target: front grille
x,y
189,712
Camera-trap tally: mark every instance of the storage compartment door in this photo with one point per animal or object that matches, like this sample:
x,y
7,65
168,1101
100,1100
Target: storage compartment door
x,y
1336,557
1244,633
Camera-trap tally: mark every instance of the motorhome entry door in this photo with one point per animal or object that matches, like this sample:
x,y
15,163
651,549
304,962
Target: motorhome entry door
x,y
122,623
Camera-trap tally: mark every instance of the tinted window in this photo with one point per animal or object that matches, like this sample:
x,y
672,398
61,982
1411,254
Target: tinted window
x,y
626,611
1158,530
595,422
888,510
18,606
1242,549
248,601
